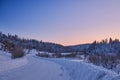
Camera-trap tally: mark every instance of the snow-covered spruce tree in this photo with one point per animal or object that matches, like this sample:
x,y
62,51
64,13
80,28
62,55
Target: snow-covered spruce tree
x,y
105,53
110,47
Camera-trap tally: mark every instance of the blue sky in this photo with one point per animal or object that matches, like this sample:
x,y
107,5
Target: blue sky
x,y
66,22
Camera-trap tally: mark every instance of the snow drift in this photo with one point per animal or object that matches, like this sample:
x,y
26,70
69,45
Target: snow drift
x,y
6,63
79,70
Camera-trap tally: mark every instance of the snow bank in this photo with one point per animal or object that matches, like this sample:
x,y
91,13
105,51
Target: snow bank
x,y
12,64
86,71
33,51
4,56
79,70
6,63
66,53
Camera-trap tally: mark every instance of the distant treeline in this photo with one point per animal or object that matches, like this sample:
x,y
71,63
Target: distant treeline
x,y
32,44
107,46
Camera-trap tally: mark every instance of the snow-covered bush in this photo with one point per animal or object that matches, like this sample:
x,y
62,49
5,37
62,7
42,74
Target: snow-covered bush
x,y
43,55
17,52
71,55
57,55
107,61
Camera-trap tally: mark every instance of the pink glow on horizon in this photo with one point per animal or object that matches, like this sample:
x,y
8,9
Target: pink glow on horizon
x,y
66,22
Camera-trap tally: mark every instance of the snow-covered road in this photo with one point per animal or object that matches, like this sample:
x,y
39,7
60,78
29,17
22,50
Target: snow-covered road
x,y
36,69
32,67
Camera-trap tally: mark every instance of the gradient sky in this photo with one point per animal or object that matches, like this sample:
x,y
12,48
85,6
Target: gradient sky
x,y
67,22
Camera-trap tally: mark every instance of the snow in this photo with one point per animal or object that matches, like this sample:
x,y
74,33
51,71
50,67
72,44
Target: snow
x,y
6,63
36,69
32,51
32,67
66,53
118,68
4,56
79,70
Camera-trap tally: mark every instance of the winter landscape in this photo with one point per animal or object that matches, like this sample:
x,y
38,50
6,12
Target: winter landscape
x,y
59,40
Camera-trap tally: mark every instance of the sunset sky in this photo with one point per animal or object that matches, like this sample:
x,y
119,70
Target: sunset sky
x,y
67,22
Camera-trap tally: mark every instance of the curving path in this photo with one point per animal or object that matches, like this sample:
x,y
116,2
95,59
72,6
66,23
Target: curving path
x,y
36,69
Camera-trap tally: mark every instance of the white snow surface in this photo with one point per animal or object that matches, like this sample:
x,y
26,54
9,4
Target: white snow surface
x,y
6,63
4,56
32,67
79,70
35,69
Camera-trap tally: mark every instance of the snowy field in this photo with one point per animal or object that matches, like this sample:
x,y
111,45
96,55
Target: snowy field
x,y
32,67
